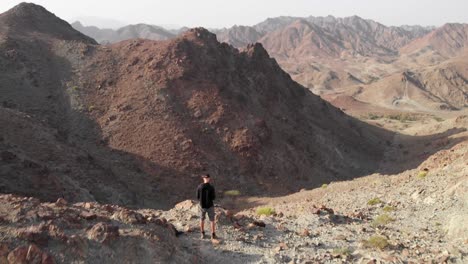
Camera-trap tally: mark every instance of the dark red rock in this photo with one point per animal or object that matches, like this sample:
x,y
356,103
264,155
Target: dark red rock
x,y
36,234
47,259
26,255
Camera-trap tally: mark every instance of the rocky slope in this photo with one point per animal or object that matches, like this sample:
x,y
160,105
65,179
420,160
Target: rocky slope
x,y
418,215
35,232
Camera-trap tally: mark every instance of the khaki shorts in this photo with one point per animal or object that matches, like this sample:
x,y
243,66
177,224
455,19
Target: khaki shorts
x,y
210,211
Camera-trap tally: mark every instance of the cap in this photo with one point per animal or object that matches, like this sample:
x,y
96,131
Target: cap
x,y
206,175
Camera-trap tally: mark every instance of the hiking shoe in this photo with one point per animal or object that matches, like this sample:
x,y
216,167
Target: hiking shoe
x,y
213,236
203,236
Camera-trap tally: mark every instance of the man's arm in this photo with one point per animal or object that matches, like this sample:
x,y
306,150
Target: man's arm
x,y
213,194
198,193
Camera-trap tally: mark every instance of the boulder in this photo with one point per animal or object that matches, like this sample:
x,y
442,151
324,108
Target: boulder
x,y
88,215
187,205
103,232
37,234
457,227
172,229
61,202
305,233
259,223
129,217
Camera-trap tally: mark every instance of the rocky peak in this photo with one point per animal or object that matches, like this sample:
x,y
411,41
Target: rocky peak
x,y
200,34
28,9
256,50
27,18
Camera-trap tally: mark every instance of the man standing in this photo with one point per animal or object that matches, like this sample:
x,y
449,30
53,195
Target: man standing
x,y
206,195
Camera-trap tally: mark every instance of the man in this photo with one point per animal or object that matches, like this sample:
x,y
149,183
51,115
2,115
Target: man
x,y
206,195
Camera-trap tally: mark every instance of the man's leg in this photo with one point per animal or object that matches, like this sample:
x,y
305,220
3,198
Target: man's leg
x,y
202,222
202,226
213,226
211,215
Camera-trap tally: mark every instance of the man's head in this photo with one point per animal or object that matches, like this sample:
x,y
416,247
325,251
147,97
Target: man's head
x,y
206,178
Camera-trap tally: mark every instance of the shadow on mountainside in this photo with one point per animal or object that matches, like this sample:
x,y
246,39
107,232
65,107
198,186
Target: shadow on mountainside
x,y
50,147
408,152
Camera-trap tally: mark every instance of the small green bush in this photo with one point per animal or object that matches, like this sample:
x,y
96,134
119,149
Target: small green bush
x,y
382,220
422,174
378,242
403,117
74,88
373,116
232,193
344,251
265,211
438,119
324,185
389,208
91,108
374,201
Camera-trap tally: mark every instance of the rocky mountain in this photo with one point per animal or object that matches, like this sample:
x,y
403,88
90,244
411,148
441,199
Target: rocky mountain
x,y
125,123
143,31
449,40
26,20
204,105
46,143
354,34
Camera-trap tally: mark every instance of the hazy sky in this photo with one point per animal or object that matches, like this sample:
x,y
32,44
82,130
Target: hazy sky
x,y
219,13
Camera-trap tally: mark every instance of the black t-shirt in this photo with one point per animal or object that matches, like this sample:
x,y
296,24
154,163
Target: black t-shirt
x,y
206,195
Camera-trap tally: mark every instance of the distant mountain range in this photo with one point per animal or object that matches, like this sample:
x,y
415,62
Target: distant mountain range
x,y
128,32
330,55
